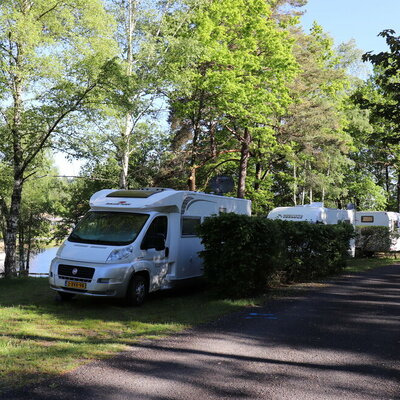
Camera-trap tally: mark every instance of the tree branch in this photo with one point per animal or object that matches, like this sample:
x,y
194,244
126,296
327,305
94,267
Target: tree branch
x,y
49,10
52,128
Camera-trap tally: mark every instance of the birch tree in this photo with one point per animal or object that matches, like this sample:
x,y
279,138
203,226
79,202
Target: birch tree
x,y
144,34
55,57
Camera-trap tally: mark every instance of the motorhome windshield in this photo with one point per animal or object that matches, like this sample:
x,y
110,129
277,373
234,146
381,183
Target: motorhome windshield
x,y
108,228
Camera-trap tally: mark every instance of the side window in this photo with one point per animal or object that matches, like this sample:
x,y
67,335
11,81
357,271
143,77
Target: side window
x,y
367,218
189,225
156,234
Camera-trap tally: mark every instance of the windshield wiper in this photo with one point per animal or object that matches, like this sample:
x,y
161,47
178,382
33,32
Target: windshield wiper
x,y
73,237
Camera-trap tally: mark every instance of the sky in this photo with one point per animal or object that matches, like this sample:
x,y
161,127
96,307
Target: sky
x,y
361,20
344,20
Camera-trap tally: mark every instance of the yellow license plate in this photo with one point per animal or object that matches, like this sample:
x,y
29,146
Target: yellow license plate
x,y
75,285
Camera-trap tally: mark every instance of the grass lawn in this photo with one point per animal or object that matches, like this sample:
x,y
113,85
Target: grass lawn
x,y
41,338
364,264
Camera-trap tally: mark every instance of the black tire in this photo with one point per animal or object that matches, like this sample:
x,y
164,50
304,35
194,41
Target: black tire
x,y
137,291
64,296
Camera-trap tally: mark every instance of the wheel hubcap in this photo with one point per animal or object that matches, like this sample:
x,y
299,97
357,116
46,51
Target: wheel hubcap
x,y
140,291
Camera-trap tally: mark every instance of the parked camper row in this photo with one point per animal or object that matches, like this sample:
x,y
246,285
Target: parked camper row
x,y
318,214
132,242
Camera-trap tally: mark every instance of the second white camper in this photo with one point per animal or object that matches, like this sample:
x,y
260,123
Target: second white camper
x,y
314,213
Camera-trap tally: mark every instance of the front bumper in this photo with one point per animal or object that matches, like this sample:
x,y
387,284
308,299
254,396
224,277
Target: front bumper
x,y
90,279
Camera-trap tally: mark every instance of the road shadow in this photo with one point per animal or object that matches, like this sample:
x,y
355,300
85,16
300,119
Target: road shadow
x,y
344,336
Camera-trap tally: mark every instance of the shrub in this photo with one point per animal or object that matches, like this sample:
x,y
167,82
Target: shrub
x,y
370,239
315,250
242,254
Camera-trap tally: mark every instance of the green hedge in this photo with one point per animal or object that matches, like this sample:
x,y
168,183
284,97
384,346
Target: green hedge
x,y
370,239
242,254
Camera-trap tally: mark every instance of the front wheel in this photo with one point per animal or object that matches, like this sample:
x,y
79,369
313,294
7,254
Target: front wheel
x,y
137,291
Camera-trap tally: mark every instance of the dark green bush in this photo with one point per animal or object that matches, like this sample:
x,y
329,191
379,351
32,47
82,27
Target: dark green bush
x,y
242,254
314,250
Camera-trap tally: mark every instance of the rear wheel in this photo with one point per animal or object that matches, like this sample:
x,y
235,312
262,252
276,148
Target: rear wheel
x,y
137,291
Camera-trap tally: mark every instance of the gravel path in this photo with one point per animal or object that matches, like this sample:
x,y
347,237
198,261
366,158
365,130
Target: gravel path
x,y
339,341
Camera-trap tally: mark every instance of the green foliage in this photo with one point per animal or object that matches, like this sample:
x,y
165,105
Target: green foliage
x,y
380,97
387,69
316,160
56,60
314,251
371,239
364,191
78,192
243,255
232,64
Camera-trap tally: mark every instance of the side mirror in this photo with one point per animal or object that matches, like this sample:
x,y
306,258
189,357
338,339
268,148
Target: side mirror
x,y
153,241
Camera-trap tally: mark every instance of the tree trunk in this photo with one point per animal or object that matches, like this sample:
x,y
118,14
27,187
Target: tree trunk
x,y
213,142
126,134
10,239
387,181
398,192
29,241
124,153
244,161
259,168
193,156
21,249
258,176
294,184
192,180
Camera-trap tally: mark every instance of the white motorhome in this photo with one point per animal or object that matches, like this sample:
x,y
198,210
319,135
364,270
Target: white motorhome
x,y
388,219
314,213
132,242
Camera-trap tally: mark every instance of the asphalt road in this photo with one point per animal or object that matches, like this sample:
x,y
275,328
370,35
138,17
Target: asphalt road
x,y
339,341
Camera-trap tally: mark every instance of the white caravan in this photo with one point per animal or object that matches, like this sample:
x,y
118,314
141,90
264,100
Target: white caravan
x,y
381,218
136,241
316,213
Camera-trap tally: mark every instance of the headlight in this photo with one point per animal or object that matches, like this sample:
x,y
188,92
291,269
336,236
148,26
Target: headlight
x,y
120,254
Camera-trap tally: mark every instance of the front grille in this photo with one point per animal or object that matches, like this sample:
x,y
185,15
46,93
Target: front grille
x,y
71,278
83,272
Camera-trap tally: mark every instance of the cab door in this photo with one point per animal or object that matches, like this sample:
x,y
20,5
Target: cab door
x,y
155,247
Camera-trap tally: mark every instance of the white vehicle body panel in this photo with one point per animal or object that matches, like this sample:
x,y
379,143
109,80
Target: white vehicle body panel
x,y
314,213
96,275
